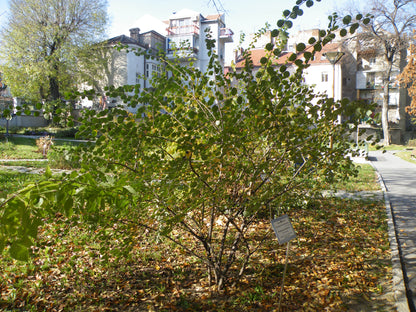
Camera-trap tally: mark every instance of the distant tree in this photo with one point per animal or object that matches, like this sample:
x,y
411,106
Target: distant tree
x,y
408,78
42,41
388,31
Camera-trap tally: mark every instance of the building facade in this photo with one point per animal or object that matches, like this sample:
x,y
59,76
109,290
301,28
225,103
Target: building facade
x,y
187,31
358,75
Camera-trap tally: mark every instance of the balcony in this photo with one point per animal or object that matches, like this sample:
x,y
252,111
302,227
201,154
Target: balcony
x,y
183,53
226,34
183,30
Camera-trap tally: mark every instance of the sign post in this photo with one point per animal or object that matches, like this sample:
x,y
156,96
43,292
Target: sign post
x,y
285,233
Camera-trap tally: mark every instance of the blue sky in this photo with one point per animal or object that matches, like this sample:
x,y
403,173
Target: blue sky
x,y
240,15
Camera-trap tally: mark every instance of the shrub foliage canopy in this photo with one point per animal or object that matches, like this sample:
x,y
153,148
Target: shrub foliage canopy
x,y
206,156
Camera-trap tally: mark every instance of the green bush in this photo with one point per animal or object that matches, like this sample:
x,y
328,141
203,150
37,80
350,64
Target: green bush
x,y
62,157
66,133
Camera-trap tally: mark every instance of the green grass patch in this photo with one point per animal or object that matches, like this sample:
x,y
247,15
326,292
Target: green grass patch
x,y
26,148
391,147
19,148
366,180
407,155
12,181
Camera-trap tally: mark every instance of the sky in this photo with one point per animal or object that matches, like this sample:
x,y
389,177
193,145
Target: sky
x,y
240,15
246,16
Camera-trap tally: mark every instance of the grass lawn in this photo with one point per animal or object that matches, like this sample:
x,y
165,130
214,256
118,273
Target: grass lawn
x,y
25,148
340,261
365,181
11,181
19,148
406,155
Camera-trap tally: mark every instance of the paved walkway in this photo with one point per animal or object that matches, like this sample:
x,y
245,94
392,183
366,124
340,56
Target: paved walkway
x,y
399,178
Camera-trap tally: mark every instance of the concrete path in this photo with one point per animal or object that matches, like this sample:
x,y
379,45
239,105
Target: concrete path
x,y
399,178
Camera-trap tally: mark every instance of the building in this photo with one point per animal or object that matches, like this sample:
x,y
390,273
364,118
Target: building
x,y
358,75
187,31
337,80
371,69
125,67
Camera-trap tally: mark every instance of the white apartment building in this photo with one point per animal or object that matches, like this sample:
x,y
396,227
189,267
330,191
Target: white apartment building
x,y
186,35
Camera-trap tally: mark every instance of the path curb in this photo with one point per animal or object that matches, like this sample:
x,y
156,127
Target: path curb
x,y
399,286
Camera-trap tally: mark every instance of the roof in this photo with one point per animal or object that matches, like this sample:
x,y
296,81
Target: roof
x,y
184,13
123,39
213,17
257,54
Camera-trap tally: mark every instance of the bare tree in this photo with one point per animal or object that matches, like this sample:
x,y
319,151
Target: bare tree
x,y
388,34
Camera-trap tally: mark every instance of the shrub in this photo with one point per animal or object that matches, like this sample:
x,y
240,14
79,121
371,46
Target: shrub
x,y
44,143
66,133
62,158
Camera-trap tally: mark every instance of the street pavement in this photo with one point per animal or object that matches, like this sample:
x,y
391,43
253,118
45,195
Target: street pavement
x,y
398,177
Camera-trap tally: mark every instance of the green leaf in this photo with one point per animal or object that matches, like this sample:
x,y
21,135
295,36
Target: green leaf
x,y
2,244
130,189
300,47
286,13
307,55
269,46
292,57
317,47
275,33
288,24
347,19
354,27
19,251
309,3
48,172
343,32
298,62
68,206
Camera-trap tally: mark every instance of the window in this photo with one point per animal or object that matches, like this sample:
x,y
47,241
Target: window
x,y
371,80
147,70
324,77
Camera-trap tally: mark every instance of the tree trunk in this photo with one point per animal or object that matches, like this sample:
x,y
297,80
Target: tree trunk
x,y
54,86
386,97
385,114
